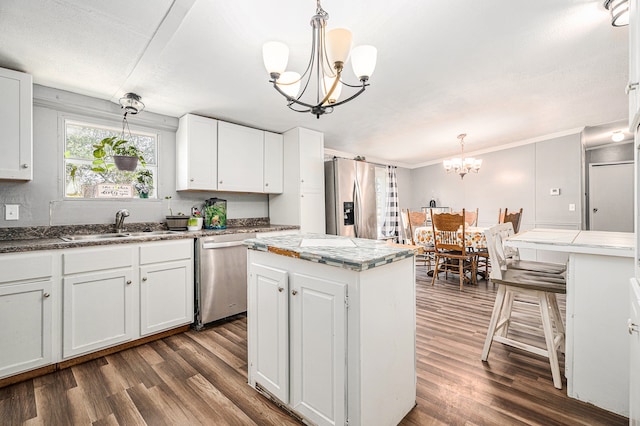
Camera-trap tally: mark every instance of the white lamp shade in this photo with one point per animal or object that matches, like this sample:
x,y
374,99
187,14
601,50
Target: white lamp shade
x,y
275,56
363,60
338,43
289,83
328,82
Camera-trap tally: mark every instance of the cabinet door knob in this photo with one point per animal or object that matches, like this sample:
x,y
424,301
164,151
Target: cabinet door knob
x,y
144,278
280,289
191,180
630,87
220,182
294,292
46,295
301,180
25,166
266,184
301,195
128,282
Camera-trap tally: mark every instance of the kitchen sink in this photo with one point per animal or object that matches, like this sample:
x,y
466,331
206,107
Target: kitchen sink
x,y
93,237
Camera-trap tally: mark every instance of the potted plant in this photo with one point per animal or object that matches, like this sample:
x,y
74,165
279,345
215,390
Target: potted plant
x,y
144,182
125,155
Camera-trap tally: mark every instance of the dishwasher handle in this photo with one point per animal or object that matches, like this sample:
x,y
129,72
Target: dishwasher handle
x,y
206,246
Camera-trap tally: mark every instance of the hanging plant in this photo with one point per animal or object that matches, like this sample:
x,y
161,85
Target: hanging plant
x,y
125,155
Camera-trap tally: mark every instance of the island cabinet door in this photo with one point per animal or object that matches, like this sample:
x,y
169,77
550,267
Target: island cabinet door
x,y
318,349
269,330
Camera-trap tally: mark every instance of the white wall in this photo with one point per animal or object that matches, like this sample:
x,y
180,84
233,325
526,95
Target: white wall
x,y
41,200
513,178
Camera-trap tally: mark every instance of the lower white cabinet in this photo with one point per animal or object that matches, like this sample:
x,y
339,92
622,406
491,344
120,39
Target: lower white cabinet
x,y
26,312
634,353
300,314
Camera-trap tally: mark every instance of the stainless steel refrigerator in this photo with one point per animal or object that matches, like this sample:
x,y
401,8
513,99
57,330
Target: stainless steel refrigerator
x,y
350,198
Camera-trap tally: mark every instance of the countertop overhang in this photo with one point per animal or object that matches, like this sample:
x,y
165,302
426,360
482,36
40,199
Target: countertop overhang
x,y
357,254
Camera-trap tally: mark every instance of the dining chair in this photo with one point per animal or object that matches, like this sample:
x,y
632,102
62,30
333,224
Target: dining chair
x,y
542,284
514,218
450,247
407,236
419,219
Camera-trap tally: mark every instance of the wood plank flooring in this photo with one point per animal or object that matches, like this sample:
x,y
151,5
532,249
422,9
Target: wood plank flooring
x,y
201,377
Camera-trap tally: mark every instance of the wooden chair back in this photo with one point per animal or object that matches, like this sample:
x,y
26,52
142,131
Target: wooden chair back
x,y
407,235
513,217
470,217
448,231
416,219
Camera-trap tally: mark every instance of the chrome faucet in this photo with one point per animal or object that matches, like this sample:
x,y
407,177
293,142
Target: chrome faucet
x,y
120,215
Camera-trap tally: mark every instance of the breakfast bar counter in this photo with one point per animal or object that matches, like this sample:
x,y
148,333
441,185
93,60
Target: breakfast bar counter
x,y
332,326
597,342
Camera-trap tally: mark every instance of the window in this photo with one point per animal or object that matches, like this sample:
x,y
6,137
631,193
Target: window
x,y
84,180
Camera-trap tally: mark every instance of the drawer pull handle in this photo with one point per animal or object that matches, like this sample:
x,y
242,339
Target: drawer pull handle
x,y
46,295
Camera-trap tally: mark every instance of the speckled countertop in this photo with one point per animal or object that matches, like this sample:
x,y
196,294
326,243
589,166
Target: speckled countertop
x,y
13,240
357,254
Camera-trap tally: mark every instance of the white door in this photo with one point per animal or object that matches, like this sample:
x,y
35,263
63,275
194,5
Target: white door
x,y
611,197
318,349
269,330
634,354
165,297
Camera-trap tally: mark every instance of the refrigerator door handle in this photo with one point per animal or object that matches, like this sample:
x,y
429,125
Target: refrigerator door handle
x,y
356,208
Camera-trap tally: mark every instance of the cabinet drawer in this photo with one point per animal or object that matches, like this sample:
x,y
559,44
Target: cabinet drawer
x,y
166,251
96,259
25,266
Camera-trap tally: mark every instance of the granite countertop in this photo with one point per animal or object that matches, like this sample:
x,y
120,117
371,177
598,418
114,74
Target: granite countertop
x,y
14,240
619,244
357,254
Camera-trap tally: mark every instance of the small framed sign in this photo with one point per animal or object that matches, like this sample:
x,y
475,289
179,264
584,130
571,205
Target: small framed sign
x,y
114,190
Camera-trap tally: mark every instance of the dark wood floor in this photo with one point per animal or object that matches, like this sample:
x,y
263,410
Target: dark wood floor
x,y
201,377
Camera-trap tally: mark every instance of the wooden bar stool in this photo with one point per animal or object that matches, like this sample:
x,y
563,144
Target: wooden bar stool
x,y
541,284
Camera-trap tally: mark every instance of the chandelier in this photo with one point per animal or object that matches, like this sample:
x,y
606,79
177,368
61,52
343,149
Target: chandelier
x,y
329,53
619,12
462,165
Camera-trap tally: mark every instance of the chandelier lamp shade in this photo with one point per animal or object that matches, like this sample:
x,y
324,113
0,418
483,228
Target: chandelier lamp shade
x,y
462,165
330,51
619,12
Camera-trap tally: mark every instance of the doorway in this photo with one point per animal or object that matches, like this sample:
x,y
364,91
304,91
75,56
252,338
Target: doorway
x,y
611,197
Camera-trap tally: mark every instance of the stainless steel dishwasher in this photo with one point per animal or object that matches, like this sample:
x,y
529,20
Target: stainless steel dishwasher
x,y
221,277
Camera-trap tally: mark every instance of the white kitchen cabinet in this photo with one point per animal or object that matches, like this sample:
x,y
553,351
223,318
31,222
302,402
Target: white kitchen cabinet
x,y
166,289
26,314
300,356
16,116
302,200
299,316
98,298
240,158
196,153
634,352
633,88
273,158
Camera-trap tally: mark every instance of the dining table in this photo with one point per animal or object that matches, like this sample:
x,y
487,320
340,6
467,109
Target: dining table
x,y
473,235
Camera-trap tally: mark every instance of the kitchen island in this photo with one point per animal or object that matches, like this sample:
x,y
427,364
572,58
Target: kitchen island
x,y
332,326
597,341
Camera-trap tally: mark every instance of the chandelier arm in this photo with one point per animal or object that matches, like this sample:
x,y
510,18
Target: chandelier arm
x,y
355,95
289,98
333,87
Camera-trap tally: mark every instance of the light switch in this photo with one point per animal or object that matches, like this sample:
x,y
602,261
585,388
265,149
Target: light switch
x,y
572,207
11,211
554,191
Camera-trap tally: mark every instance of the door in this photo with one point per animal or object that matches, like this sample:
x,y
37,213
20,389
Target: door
x,y
97,311
611,197
25,335
318,349
166,296
634,354
269,330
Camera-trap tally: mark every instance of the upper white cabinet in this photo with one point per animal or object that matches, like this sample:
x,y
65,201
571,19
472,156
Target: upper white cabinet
x,y
196,153
302,200
273,157
633,87
16,113
214,155
241,158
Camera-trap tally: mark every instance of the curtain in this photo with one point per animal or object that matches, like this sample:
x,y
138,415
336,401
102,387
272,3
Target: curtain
x,y
390,225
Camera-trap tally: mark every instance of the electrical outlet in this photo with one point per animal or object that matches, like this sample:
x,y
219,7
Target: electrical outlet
x,y
572,207
11,211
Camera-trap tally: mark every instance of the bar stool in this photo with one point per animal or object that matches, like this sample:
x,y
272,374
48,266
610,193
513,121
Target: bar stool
x,y
543,284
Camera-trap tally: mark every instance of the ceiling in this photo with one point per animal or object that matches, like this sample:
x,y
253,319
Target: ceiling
x,y
502,71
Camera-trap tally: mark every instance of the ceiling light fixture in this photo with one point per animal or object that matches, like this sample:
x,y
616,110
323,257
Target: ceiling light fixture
x,y
131,103
617,136
329,53
619,12
462,165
